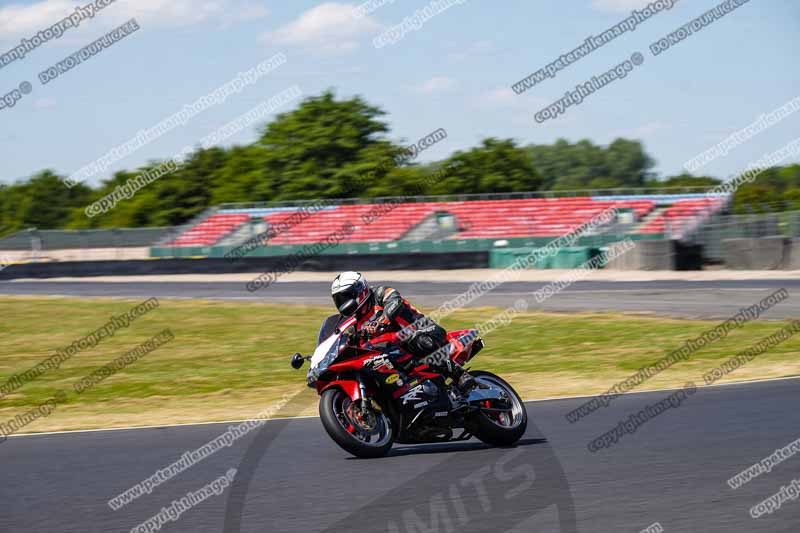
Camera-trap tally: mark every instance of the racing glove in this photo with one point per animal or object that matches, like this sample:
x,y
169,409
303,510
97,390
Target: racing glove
x,y
373,328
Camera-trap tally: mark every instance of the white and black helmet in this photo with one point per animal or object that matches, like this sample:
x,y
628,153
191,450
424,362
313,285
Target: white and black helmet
x,y
350,292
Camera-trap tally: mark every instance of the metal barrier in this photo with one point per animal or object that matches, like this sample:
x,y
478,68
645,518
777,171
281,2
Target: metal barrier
x,y
592,193
721,227
393,247
37,240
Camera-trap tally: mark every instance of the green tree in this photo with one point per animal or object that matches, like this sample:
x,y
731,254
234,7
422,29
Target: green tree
x,y
312,150
242,178
43,202
187,192
627,162
687,180
495,166
338,148
756,198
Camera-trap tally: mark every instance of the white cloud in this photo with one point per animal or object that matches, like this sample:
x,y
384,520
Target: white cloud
x,y
177,13
251,10
189,12
476,49
44,103
648,129
481,47
437,84
505,97
330,26
502,101
619,6
25,20
502,96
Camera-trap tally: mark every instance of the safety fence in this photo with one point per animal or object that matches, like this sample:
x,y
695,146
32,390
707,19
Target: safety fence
x,y
394,247
35,240
754,226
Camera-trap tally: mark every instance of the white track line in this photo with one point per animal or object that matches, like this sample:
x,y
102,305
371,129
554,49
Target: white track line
x,y
163,426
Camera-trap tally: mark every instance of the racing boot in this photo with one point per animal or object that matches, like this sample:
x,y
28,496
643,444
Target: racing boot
x,y
462,379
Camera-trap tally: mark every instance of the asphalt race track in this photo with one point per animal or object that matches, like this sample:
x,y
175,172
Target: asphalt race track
x,y
687,299
291,477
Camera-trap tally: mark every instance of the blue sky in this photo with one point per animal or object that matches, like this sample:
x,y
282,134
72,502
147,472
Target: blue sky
x,y
455,72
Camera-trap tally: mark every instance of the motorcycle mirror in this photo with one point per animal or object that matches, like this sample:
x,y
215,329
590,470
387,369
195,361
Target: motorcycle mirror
x,y
297,361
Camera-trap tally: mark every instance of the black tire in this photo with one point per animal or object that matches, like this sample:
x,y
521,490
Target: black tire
x,y
336,431
488,431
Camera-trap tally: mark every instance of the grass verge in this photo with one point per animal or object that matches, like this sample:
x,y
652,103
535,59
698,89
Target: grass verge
x,y
230,360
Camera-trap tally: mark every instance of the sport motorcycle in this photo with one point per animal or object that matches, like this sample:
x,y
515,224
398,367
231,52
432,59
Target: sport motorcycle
x,y
367,403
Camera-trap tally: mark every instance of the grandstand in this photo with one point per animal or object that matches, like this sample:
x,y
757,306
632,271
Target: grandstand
x,y
684,216
509,223
670,216
210,230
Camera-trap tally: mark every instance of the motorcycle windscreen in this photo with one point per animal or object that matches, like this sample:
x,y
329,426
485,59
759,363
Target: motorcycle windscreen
x,y
327,352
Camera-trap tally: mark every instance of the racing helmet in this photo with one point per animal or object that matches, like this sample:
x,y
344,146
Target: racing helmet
x,y
350,292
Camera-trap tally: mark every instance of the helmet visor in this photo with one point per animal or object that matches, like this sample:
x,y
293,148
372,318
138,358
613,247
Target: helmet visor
x,y
346,302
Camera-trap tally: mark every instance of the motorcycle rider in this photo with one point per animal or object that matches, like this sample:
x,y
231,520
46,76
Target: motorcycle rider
x,y
384,310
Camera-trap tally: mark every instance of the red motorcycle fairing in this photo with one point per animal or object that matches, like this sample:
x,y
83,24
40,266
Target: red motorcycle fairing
x,y
463,342
462,351
348,386
348,367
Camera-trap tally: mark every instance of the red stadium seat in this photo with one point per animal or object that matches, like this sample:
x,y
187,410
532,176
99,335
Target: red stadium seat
x,y
210,230
479,219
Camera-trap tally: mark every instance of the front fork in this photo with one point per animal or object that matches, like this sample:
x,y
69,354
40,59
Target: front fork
x,y
370,401
362,387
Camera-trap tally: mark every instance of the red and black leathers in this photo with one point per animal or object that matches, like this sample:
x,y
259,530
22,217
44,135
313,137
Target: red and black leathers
x,y
392,312
389,312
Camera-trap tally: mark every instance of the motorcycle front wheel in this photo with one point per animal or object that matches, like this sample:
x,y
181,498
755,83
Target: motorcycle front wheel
x,y
499,427
360,431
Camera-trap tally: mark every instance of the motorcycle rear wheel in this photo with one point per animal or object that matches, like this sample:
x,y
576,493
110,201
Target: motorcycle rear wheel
x,y
499,428
358,436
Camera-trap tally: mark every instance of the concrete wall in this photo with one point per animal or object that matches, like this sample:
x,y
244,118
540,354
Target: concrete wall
x,y
423,261
77,254
647,255
793,260
766,253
